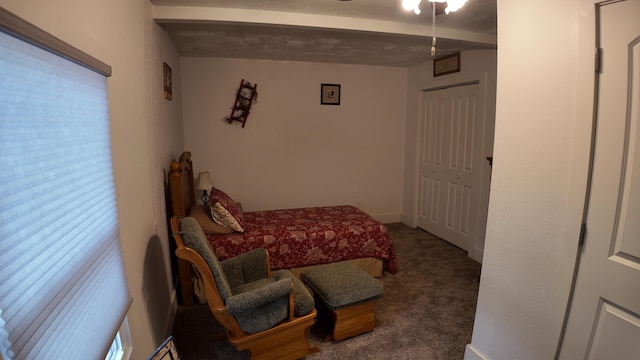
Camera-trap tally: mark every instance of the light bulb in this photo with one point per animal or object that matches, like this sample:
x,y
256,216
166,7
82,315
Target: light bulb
x,y
411,5
454,5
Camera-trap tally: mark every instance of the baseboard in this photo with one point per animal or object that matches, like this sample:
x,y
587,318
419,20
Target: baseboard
x,y
173,308
388,218
471,353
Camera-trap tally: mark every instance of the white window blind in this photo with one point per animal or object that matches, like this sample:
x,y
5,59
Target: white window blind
x,y
63,291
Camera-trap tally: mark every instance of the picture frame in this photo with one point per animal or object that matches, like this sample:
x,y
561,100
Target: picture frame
x,y
166,78
330,94
446,64
166,351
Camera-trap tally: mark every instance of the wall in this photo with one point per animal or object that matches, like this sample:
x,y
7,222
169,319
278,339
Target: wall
x,y
294,152
164,134
474,65
122,34
543,114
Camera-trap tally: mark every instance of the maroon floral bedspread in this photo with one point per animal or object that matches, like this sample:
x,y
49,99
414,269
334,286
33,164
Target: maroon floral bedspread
x,y
309,236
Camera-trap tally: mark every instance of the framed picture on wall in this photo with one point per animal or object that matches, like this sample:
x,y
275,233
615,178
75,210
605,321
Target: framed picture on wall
x,y
330,94
166,351
166,76
446,65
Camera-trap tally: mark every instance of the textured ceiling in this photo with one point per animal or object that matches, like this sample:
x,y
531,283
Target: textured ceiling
x,y
372,32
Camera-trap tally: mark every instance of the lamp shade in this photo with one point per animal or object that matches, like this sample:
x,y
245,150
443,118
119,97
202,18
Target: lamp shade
x,y
204,181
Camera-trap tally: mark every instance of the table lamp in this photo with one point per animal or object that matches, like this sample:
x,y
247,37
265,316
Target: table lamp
x,y
204,184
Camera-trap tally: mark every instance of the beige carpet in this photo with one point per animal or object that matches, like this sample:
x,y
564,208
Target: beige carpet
x,y
426,312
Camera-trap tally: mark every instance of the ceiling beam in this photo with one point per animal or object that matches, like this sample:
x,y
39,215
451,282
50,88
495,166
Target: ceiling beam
x,y
193,14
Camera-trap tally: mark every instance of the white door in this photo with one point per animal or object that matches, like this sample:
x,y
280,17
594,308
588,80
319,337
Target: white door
x,y
451,143
430,160
604,318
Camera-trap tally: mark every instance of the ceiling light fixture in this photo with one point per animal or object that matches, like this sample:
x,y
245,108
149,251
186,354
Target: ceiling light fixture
x,y
414,5
411,5
452,6
433,31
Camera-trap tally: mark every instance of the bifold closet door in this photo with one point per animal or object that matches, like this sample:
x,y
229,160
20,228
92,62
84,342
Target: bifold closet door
x,y
450,155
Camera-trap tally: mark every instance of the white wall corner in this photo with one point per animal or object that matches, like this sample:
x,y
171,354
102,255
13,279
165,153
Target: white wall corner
x,y
173,308
476,254
409,220
471,353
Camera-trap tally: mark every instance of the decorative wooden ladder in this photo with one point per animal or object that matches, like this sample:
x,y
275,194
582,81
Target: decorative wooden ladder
x,y
245,97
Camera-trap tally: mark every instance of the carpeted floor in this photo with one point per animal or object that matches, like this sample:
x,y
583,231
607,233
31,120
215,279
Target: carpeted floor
x,y
426,312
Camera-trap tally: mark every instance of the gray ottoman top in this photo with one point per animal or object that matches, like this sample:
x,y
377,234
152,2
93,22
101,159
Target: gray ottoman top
x,y
342,284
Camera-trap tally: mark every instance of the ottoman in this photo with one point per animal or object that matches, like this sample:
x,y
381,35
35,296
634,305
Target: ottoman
x,y
347,294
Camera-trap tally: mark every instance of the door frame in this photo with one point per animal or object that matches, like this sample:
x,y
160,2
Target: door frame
x,y
476,250
582,14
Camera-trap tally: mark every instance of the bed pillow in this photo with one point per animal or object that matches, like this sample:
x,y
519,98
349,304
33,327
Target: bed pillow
x,y
225,211
202,214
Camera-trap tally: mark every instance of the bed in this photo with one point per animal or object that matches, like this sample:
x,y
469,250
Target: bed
x,y
296,239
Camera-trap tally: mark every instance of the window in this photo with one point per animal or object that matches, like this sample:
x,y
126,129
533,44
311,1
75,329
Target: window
x,y
63,291
116,351
121,345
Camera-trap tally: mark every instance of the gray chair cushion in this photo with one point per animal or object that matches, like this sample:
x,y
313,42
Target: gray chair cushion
x,y
194,237
254,295
303,301
265,316
258,303
246,267
342,284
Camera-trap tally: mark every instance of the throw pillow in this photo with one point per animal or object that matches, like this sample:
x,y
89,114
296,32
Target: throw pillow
x,y
202,214
225,211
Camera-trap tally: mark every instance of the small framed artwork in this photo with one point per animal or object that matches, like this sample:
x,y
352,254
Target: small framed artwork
x,y
166,76
166,351
330,94
446,65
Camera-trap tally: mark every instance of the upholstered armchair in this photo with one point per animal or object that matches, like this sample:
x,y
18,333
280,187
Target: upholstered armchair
x,y
266,312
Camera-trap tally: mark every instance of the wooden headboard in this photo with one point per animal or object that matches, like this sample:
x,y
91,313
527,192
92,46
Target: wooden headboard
x,y
181,183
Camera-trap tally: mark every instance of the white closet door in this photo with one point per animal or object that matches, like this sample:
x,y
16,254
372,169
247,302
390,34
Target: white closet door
x,y
431,161
450,146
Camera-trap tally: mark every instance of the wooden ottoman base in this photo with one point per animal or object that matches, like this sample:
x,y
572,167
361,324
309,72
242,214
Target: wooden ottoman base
x,y
351,321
